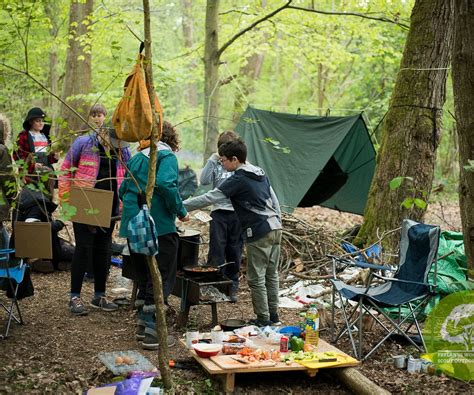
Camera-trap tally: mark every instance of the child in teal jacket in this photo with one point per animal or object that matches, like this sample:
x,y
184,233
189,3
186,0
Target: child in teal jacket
x,y
166,206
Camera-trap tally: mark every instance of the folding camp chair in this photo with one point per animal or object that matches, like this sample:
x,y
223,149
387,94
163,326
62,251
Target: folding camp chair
x,y
11,275
418,251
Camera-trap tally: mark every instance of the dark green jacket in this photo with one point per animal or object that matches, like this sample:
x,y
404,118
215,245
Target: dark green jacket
x,y
166,202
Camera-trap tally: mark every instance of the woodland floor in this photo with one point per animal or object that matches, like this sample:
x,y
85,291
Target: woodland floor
x,y
57,353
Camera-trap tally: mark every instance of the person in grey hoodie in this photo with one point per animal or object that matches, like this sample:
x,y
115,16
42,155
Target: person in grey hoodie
x,y
225,240
258,210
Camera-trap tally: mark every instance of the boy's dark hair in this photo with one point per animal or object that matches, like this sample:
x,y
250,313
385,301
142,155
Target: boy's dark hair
x,y
170,136
235,148
97,108
226,137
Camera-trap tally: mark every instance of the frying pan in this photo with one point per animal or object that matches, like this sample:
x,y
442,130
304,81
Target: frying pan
x,y
201,270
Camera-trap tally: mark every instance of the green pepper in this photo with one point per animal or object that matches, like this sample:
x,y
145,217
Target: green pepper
x,y
297,344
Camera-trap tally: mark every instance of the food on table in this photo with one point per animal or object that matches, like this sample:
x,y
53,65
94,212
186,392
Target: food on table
x,y
231,348
296,343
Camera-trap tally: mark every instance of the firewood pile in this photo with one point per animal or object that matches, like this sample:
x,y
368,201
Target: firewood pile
x,y
304,249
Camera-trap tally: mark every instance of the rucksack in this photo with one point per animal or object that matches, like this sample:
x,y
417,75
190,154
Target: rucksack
x,y
142,235
133,118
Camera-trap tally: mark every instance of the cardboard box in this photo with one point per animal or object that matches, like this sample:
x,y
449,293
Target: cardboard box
x,y
33,240
94,206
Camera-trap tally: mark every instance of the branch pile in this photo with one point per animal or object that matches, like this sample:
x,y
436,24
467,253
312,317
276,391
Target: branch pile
x,y
304,248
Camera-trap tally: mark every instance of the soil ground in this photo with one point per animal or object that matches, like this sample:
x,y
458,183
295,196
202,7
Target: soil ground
x,y
57,353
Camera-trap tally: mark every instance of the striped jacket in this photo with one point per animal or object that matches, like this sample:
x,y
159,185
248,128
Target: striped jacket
x,y
81,165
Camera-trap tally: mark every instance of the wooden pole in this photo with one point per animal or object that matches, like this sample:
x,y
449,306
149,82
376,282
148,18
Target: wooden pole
x,y
161,329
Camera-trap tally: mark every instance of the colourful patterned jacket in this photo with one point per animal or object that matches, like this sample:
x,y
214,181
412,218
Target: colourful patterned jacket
x,y
81,165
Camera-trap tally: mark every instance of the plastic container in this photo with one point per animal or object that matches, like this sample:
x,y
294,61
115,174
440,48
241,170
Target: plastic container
x,y
312,326
290,331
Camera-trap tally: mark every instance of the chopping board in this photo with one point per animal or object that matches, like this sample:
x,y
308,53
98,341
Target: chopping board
x,y
228,362
342,361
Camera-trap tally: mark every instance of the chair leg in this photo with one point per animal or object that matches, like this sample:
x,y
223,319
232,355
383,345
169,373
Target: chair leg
x,y
348,325
333,325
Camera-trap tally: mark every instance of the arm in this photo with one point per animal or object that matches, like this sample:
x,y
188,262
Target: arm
x,y
209,170
167,185
275,202
23,151
67,170
211,197
6,173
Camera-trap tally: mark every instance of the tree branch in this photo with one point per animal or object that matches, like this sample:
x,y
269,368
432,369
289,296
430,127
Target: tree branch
x,y
365,16
250,27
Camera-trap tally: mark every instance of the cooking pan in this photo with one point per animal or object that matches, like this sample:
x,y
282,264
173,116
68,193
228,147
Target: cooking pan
x,y
232,324
202,270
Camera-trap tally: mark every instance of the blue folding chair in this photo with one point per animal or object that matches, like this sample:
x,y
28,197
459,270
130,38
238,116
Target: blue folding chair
x,y
11,276
418,251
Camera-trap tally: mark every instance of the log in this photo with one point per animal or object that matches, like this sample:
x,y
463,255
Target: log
x,y
357,382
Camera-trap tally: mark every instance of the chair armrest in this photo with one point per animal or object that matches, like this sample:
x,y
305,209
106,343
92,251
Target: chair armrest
x,y
401,281
362,265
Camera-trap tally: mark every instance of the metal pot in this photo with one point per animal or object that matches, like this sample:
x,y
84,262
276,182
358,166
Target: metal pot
x,y
232,323
188,247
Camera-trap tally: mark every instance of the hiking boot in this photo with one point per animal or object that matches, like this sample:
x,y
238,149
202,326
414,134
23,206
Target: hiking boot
x,y
76,306
101,302
275,319
260,323
150,342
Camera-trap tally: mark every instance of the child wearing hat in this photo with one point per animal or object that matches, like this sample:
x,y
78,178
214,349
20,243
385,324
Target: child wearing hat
x,y
34,143
94,160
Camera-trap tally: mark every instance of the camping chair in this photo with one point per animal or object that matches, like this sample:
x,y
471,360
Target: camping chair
x,y
418,251
11,276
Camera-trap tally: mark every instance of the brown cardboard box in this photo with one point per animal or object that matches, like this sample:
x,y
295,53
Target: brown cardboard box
x,y
33,240
94,206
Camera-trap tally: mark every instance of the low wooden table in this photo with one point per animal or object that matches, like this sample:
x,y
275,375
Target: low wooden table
x,y
228,375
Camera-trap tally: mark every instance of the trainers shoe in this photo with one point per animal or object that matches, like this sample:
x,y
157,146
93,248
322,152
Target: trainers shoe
x,y
76,306
101,302
260,323
140,332
275,319
150,342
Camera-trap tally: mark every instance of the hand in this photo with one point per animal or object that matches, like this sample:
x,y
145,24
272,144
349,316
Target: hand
x,y
185,218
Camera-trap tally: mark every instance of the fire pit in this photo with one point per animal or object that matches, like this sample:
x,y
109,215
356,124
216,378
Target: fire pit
x,y
204,290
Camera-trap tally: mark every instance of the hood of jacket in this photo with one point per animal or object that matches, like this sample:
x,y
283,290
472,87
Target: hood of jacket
x,y
252,171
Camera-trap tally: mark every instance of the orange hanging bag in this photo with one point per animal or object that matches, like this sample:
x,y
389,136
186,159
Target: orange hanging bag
x,y
133,118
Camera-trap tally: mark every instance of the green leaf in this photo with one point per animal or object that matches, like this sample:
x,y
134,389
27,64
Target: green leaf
x,y
395,183
420,203
408,203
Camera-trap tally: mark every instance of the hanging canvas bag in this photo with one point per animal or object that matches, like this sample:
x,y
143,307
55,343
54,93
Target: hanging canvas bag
x,y
142,236
133,117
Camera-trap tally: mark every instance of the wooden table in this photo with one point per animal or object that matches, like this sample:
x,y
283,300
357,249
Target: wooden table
x,y
228,375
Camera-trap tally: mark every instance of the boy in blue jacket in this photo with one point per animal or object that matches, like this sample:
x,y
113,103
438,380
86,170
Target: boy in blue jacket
x,y
258,210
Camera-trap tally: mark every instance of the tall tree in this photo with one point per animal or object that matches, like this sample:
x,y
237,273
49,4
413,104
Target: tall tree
x,y
78,70
191,90
412,125
463,86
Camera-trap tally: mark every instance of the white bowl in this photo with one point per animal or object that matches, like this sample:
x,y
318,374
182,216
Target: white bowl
x,y
205,350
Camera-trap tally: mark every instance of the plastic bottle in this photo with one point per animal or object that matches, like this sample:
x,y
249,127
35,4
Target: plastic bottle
x,y
312,326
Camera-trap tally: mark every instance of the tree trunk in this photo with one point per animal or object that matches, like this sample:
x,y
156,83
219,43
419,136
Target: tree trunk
x,y
77,80
52,11
191,90
412,126
463,86
161,328
211,79
249,73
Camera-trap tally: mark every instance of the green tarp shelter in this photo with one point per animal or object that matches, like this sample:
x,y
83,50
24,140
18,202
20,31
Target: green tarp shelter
x,y
311,160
